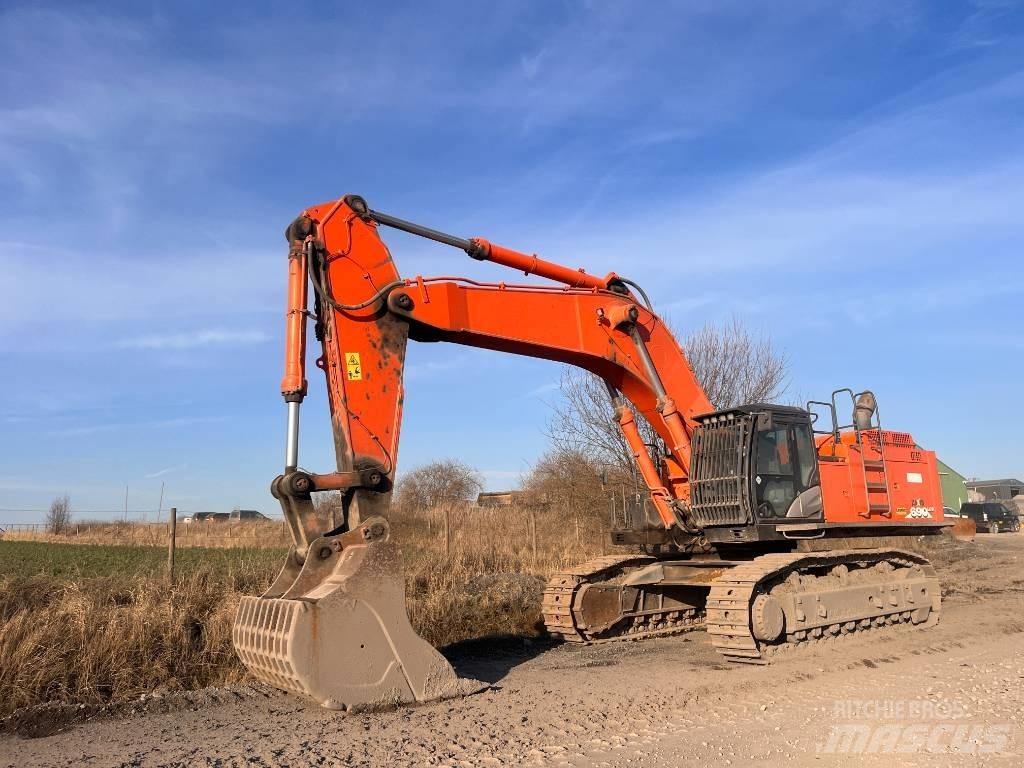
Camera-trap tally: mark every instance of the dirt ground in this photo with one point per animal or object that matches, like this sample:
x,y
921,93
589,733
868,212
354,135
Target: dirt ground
x,y
951,695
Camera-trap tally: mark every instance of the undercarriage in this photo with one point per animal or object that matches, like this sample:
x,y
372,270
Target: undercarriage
x,y
753,608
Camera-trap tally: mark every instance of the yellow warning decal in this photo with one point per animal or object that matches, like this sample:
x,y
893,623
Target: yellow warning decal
x,y
353,367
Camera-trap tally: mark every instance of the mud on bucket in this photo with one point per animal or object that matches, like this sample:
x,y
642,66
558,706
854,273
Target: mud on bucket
x,y
336,629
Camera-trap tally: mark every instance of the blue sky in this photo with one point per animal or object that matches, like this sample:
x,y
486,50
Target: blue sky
x,y
845,178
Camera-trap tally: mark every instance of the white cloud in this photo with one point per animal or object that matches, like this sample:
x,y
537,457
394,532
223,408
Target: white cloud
x,y
105,427
926,176
202,338
1010,343
165,471
134,174
426,361
531,64
543,389
91,288
931,296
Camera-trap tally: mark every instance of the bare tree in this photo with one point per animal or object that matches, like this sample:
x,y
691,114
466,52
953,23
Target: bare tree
x,y
583,422
59,516
569,482
736,367
732,365
330,508
562,477
436,483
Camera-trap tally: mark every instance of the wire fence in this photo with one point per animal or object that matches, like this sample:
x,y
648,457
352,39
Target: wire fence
x,y
269,533
451,528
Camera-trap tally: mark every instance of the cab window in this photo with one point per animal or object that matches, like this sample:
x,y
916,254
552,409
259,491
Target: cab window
x,y
786,466
774,482
773,452
807,456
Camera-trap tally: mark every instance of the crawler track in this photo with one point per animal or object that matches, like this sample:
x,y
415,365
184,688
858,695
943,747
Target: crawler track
x,y
826,595
564,590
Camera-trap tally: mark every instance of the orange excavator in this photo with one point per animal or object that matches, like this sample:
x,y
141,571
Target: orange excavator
x,y
768,531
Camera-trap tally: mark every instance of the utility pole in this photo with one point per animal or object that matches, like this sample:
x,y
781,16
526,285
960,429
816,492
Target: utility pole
x,y
160,506
126,502
172,534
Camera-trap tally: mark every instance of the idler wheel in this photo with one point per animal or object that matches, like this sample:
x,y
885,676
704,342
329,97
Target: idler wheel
x,y
767,618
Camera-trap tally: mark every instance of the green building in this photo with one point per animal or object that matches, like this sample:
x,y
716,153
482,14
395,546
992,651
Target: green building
x,y
954,490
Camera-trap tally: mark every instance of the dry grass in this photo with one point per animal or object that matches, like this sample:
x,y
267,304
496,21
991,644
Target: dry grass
x,y
98,624
111,638
490,582
106,633
140,534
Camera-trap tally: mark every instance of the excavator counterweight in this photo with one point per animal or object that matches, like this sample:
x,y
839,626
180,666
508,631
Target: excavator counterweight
x,y
766,530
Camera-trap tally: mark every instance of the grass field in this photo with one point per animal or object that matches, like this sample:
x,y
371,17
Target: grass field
x,y
99,623
140,534
76,561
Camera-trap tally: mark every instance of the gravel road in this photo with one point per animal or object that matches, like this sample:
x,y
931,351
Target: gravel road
x,y
951,695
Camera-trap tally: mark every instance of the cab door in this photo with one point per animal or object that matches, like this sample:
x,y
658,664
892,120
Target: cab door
x,y
786,482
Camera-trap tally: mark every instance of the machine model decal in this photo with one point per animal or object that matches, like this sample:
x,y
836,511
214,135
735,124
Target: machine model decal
x,y
919,510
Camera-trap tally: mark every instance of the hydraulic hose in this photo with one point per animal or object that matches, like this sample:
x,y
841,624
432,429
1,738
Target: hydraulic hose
x,y
638,289
325,295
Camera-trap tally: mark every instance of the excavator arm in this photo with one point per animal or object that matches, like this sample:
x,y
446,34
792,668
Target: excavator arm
x,y
364,313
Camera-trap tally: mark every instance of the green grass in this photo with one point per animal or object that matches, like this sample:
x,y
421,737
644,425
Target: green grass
x,y
76,561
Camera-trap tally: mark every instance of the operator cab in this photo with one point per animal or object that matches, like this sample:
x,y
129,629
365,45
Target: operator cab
x,y
754,466
786,480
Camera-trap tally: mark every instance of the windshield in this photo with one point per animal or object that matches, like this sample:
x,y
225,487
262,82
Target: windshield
x,y
785,466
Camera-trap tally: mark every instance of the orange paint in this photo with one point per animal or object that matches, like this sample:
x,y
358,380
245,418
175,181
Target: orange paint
x,y
855,489
294,380
583,323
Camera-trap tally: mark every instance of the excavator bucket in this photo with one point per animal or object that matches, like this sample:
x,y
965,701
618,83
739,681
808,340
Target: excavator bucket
x,y
334,628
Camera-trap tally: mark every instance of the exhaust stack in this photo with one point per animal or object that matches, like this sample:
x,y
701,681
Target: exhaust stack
x,y
864,410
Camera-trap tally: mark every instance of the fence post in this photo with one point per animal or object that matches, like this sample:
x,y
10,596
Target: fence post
x,y
173,531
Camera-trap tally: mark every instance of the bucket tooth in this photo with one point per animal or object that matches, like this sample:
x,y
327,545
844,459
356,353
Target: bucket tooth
x,y
339,633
